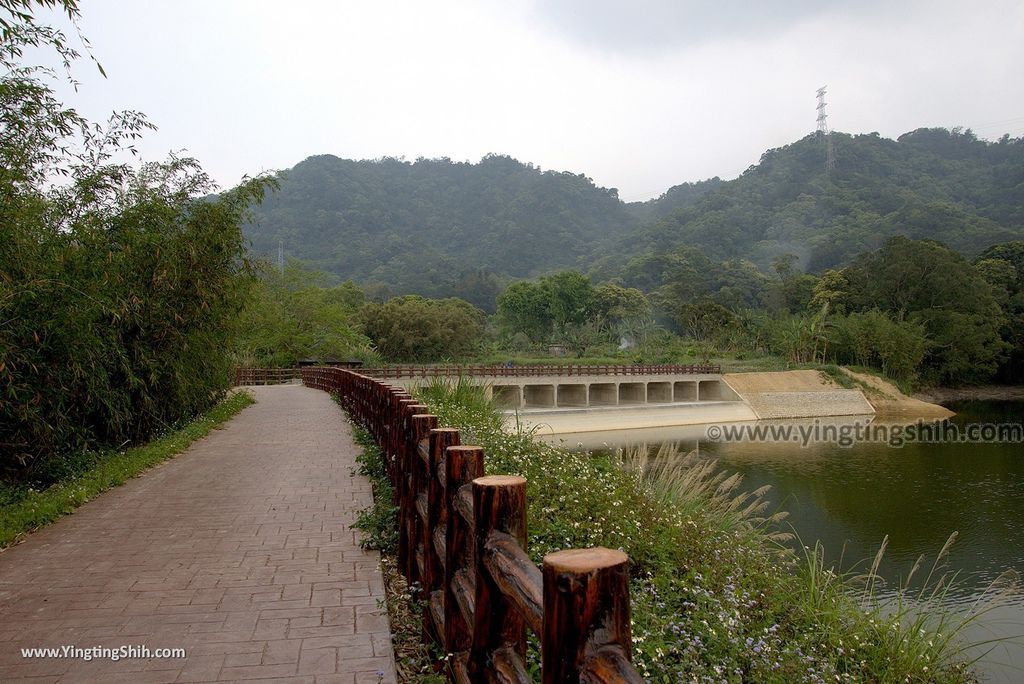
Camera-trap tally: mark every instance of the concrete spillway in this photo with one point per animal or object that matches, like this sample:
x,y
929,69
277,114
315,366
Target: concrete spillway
x,y
583,403
592,391
606,418
586,391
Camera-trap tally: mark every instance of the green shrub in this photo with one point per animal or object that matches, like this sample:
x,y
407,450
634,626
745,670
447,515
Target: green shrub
x,y
379,522
412,328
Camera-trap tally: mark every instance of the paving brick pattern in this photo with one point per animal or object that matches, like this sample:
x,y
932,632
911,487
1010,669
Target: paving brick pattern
x,y
239,550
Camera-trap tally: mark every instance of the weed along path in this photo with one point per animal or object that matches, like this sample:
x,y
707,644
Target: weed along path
x,y
237,551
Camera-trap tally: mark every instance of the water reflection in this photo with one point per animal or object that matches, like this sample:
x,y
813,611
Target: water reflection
x,y
851,498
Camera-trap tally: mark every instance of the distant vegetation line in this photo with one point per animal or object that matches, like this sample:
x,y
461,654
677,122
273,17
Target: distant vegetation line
x,y
907,258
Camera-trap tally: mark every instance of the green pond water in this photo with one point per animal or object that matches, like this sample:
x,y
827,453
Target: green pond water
x,y
851,498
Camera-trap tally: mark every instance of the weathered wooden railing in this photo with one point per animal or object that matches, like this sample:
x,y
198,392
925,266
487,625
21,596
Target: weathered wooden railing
x,y
455,371
462,540
266,376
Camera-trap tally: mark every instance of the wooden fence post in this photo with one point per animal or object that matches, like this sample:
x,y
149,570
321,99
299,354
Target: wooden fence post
x,y
499,631
586,617
403,491
463,464
417,507
435,531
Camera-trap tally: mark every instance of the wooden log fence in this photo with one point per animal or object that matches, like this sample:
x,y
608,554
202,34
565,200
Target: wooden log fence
x,y
266,376
477,371
462,541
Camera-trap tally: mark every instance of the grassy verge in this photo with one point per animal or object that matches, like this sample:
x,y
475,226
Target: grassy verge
x,y
836,374
24,508
415,661
716,596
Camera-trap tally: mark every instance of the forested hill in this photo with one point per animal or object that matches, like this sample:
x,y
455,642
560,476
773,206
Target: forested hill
x,y
930,183
439,227
675,198
423,226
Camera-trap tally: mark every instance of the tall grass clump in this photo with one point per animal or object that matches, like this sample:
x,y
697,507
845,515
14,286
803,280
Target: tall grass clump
x,y
716,593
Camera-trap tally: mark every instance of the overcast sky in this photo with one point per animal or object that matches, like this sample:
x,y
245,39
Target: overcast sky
x,y
638,95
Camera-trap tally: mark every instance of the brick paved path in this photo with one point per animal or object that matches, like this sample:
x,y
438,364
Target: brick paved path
x,y
239,550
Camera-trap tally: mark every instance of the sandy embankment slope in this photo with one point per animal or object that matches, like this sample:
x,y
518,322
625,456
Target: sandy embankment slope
x,y
781,381
797,394
889,402
811,393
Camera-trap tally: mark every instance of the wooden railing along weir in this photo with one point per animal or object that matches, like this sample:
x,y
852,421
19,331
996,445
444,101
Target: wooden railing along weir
x,y
266,376
276,376
462,540
483,371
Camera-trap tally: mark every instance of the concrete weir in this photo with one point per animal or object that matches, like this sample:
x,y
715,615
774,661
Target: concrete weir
x,y
583,391
625,417
581,400
584,403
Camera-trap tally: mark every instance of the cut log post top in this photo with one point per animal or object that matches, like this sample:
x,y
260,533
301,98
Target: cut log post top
x,y
586,633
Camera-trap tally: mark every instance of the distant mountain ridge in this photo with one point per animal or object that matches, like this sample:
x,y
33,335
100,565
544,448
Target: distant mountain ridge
x,y
928,184
418,226
438,227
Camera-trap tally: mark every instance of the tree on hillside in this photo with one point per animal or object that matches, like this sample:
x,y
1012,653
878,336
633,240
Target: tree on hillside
x,y
551,308
480,288
411,328
684,277
703,319
620,308
874,338
1002,266
926,282
792,290
570,299
293,315
832,289
524,308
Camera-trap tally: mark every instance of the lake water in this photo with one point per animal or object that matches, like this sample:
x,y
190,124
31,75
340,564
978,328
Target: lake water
x,y
851,498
